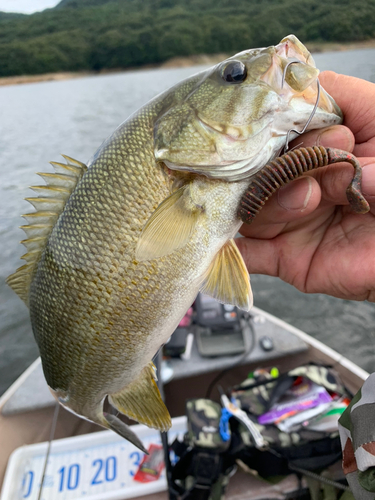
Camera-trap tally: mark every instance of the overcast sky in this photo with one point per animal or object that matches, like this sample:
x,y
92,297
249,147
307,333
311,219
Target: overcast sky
x,y
26,6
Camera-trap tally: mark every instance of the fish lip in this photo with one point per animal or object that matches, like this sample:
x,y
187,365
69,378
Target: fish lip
x,y
212,172
244,169
327,113
229,137
211,128
336,108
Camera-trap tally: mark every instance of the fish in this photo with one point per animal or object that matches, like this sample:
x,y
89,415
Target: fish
x,y
118,249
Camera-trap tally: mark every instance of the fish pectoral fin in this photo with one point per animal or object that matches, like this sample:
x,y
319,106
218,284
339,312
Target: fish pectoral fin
x,y
227,279
141,401
115,424
169,227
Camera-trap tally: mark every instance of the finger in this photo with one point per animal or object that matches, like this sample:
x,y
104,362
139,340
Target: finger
x,y
368,179
292,202
356,98
260,256
338,136
335,179
365,149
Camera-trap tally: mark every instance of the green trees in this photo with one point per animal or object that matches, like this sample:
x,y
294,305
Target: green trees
x,y
97,34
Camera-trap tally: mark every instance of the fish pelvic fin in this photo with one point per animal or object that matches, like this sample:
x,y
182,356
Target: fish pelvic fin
x,y
169,227
141,401
49,203
227,278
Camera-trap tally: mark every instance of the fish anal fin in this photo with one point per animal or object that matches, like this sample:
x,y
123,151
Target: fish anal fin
x,y
227,278
169,227
141,401
49,204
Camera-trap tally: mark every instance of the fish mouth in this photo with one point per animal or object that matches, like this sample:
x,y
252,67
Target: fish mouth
x,y
220,136
327,112
328,104
236,170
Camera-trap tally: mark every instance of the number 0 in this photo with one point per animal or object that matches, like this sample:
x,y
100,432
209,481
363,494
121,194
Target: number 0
x,y
110,469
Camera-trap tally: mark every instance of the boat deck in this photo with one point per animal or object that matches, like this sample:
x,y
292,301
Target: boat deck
x,y
27,408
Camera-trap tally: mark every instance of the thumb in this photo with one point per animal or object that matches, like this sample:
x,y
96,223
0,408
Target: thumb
x,y
338,136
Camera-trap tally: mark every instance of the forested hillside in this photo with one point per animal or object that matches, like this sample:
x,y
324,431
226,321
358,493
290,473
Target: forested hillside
x,y
96,34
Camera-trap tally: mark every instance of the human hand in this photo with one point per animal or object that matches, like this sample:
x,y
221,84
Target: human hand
x,y
307,234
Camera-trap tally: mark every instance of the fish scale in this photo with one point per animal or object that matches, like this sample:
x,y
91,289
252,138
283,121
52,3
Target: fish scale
x,y
60,264
118,252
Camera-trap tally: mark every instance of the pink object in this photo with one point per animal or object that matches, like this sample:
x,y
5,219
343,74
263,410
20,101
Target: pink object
x,y
186,320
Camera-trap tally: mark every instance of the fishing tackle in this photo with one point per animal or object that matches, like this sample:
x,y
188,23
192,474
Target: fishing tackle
x,y
286,147
290,166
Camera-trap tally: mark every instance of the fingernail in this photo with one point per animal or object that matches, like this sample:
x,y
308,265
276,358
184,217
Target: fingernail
x,y
336,137
368,179
295,196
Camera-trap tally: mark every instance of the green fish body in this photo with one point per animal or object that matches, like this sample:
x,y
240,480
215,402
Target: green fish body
x,y
118,250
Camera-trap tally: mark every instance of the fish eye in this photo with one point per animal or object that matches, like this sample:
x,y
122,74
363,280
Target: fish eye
x,y
234,72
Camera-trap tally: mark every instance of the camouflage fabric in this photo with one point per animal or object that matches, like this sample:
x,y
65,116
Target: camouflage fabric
x,y
278,439
357,433
203,435
254,400
203,417
321,375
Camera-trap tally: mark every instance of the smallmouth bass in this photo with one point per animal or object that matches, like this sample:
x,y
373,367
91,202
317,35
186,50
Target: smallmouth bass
x,y
118,250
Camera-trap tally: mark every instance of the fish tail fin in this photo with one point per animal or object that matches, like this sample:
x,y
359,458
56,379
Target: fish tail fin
x,y
141,401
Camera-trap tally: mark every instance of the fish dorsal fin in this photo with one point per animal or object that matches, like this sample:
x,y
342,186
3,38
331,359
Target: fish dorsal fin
x,y
49,204
141,401
169,227
227,278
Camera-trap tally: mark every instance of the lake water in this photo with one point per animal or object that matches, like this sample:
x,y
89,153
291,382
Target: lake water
x,y
41,120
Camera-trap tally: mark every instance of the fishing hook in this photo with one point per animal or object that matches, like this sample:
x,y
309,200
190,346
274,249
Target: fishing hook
x,y
286,147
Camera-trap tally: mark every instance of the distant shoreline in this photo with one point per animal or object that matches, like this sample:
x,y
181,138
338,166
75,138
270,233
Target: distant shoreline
x,y
176,62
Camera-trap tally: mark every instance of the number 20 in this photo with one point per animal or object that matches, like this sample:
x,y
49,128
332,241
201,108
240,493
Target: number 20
x,y
110,470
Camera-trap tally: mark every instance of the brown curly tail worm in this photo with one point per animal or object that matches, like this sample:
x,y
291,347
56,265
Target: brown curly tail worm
x,y
292,165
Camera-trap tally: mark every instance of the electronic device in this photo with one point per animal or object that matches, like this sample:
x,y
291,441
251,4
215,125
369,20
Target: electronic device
x,y
177,343
219,330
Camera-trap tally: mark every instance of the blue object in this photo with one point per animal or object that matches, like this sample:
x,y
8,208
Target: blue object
x,y
223,425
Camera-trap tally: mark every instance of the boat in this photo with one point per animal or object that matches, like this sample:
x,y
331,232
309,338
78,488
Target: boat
x,y
27,407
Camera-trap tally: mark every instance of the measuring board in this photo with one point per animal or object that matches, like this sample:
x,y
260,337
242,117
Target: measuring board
x,y
98,466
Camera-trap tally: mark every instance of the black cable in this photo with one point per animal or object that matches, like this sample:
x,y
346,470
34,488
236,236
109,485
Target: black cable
x,y
51,436
238,361
164,435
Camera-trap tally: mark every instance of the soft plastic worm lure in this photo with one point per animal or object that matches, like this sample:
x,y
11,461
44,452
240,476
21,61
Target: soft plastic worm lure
x,y
290,166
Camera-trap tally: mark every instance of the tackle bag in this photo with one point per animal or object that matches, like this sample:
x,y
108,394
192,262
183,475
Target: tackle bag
x,y
303,447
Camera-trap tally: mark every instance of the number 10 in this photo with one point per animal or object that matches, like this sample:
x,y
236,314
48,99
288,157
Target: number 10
x,y
72,478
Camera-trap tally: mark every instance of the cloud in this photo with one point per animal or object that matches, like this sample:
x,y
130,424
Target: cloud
x,y
26,6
